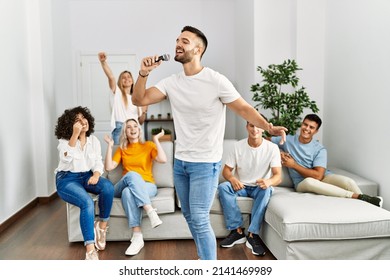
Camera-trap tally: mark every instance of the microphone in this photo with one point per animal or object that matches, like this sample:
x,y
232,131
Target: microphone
x,y
164,57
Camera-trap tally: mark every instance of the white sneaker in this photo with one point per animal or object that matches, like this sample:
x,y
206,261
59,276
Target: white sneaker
x,y
154,219
137,243
92,256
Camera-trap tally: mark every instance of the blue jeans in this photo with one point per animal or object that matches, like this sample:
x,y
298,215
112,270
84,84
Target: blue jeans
x,y
135,193
233,218
196,184
116,133
73,188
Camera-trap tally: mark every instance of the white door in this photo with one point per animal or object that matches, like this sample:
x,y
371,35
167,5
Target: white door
x,y
94,89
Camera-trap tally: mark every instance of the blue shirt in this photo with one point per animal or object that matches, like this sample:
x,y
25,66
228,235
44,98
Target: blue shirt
x,y
307,155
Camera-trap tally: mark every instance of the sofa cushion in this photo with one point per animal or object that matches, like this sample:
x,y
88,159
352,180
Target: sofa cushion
x,y
162,172
305,216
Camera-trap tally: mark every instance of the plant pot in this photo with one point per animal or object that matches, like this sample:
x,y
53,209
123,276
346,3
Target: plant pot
x,y
166,138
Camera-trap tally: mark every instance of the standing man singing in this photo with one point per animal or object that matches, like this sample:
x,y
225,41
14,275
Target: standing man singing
x,y
198,97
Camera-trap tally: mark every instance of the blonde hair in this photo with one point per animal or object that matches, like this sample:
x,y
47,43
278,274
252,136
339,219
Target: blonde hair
x,y
119,83
123,141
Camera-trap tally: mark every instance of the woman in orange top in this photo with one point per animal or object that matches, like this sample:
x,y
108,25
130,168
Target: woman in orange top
x,y
137,184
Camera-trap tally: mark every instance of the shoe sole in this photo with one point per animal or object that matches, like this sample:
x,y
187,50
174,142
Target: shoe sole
x,y
239,241
133,253
156,225
253,252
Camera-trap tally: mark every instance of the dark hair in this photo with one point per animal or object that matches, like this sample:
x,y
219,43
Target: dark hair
x,y
64,127
314,118
199,34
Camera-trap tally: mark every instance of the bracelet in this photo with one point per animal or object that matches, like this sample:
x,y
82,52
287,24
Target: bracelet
x,y
143,76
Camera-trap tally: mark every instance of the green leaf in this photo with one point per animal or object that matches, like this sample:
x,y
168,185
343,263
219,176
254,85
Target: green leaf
x,y
279,92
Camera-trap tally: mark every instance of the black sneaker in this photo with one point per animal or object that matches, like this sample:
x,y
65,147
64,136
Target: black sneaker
x,y
233,238
376,200
254,243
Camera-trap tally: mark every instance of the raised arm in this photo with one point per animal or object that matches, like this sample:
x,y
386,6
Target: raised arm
x,y
246,111
161,156
142,117
109,164
107,70
142,96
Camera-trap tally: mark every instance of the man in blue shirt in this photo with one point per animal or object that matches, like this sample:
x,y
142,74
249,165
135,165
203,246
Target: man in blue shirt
x,y
306,160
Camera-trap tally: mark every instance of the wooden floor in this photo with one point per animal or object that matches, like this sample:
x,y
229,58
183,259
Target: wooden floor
x,y
42,235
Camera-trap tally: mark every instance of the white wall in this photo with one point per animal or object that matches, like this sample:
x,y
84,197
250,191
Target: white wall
x,y
25,143
244,62
357,73
293,29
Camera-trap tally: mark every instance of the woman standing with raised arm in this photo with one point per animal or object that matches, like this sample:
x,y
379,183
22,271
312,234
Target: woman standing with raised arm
x,y
120,99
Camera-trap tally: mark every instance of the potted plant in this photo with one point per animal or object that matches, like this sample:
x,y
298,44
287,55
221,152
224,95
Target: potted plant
x,y
167,134
279,92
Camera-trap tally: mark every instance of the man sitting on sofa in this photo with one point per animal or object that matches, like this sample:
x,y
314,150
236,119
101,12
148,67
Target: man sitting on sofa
x,y
306,160
257,165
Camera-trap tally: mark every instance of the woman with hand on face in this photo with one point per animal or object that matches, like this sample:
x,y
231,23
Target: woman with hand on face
x,y
137,184
78,173
120,98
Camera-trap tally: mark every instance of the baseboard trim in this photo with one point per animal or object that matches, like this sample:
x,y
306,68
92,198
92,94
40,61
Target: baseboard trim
x,y
26,209
47,199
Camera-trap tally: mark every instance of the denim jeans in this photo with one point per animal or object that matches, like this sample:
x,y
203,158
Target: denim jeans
x,y
73,188
116,133
231,211
134,193
196,184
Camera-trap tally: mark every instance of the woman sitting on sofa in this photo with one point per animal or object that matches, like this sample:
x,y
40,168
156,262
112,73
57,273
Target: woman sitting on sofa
x,y
137,184
79,172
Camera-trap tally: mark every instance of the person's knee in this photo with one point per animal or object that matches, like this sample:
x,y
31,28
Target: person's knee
x,y
200,221
307,185
107,187
126,194
130,177
89,206
224,187
263,193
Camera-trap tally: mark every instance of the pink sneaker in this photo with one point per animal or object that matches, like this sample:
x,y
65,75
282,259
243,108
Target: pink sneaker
x,y
100,236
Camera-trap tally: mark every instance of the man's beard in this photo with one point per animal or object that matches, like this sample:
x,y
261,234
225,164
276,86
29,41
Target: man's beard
x,y
186,57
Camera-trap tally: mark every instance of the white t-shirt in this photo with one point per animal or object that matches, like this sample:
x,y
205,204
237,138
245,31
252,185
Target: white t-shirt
x,y
253,163
121,113
199,113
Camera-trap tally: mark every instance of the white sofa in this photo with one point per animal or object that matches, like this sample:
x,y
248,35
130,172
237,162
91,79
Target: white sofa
x,y
297,226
